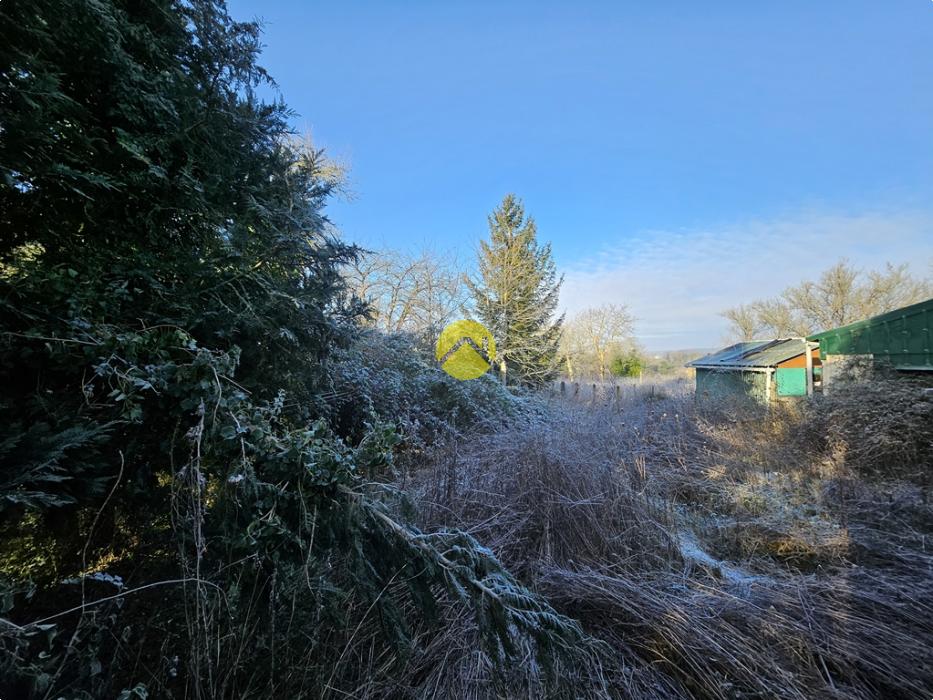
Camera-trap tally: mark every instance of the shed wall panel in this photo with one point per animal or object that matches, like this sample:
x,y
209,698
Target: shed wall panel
x,y
731,385
791,381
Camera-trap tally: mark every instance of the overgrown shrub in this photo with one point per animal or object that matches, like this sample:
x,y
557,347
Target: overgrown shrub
x,y
384,377
630,365
880,427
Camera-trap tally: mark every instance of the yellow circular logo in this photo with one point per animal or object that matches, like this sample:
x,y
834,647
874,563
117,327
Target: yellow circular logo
x,y
465,349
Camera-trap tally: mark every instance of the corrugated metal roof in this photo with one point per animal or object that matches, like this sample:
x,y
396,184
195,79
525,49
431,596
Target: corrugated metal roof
x,y
755,353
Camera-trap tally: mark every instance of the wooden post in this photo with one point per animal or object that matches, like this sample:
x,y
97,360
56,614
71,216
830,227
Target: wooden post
x,y
576,389
563,388
809,350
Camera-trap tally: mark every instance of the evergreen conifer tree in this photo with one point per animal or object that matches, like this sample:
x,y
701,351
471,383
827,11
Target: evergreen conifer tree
x,y
516,295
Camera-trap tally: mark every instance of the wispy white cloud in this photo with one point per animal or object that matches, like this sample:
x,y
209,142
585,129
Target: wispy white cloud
x,y
677,282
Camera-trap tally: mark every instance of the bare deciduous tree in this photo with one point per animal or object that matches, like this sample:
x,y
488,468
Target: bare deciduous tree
x,y
594,336
843,294
411,293
744,321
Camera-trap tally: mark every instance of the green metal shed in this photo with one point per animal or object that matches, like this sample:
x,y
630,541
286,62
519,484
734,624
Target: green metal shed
x,y
902,339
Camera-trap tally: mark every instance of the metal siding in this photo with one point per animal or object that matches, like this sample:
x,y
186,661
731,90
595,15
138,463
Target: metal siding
x,y
901,338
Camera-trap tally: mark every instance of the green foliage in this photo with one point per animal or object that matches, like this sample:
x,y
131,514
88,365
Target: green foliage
x,y
170,299
629,365
516,296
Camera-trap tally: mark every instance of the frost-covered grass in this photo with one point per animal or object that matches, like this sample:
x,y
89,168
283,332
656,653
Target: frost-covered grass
x,y
709,554
659,551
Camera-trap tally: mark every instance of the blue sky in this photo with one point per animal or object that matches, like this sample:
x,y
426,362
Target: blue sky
x,y
681,156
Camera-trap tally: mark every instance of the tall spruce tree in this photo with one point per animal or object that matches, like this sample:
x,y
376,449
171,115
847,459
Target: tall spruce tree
x,y
516,295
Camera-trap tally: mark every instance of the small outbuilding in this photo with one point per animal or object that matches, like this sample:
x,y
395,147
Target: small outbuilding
x,y
764,371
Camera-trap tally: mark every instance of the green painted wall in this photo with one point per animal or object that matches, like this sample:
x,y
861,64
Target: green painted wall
x,y
791,381
731,385
902,338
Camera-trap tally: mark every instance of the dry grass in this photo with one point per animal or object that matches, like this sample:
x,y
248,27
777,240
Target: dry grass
x,y
709,555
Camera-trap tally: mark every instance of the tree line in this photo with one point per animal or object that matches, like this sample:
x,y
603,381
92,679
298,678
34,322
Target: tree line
x,y
514,293
841,295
